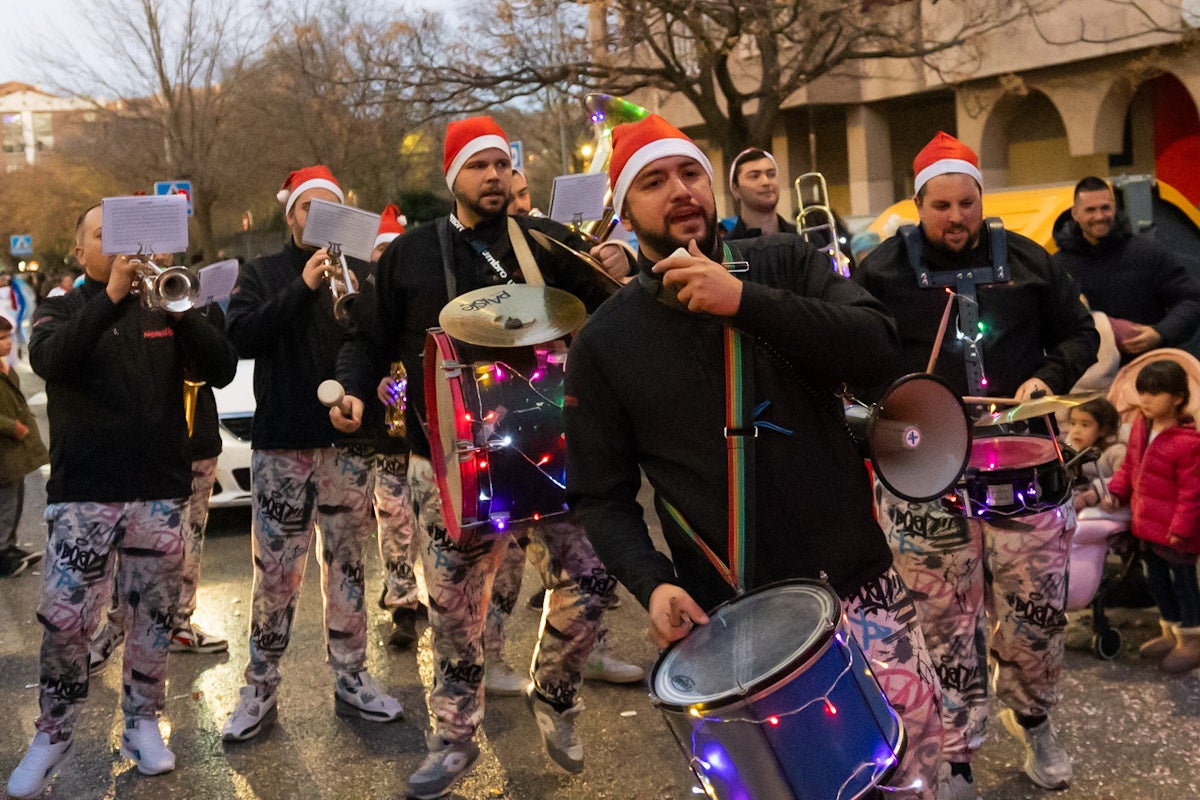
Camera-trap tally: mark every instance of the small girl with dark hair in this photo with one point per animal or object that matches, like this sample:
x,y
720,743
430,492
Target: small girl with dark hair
x,y
1091,437
1160,481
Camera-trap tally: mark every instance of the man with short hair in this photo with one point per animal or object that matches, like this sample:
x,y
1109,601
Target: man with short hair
x,y
477,245
114,371
646,391
1142,286
521,202
991,578
281,314
754,184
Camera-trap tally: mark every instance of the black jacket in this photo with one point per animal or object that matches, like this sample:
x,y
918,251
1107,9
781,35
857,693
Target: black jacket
x,y
645,389
290,332
206,433
410,291
114,388
1133,278
1032,326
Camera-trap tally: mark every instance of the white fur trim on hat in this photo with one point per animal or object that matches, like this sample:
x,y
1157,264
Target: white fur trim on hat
x,y
313,183
476,145
384,238
659,148
944,167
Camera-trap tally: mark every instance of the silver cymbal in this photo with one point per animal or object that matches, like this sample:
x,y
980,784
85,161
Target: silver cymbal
x,y
512,315
584,264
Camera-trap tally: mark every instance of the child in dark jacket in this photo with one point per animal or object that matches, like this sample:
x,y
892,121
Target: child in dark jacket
x,y
21,452
1160,481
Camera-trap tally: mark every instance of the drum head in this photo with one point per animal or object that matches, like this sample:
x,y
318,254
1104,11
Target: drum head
x,y
1011,452
747,643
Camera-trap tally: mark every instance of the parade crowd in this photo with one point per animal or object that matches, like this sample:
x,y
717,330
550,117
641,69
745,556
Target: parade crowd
x,y
715,365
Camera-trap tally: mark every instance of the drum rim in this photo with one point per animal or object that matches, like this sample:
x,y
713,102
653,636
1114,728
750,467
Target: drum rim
x,y
794,664
439,344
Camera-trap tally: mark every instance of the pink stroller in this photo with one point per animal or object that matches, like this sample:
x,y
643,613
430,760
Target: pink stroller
x,y
1097,532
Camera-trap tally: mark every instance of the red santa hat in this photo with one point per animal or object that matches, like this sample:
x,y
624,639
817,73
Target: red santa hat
x,y
391,224
636,144
467,137
945,154
300,181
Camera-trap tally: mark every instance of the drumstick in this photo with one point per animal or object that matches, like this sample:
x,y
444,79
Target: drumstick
x,y
1000,401
331,394
941,334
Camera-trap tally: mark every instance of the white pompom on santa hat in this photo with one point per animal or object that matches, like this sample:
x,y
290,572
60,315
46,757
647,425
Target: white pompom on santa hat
x,y
391,224
317,176
467,137
636,144
943,155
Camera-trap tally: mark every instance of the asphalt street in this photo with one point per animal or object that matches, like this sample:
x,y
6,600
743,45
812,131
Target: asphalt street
x,y
1134,733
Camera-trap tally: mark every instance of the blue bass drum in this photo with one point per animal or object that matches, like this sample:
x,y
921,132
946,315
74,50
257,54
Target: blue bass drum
x,y
774,699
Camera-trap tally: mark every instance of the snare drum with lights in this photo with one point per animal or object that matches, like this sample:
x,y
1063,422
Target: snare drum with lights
x,y
774,699
495,431
1011,476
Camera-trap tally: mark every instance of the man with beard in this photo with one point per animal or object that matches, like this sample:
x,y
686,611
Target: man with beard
x,y
1143,287
1020,329
754,184
476,246
646,390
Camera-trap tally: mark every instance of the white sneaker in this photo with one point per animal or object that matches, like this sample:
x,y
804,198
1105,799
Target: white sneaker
x,y
558,731
37,768
256,711
502,680
602,665
191,638
360,694
954,787
142,741
1047,762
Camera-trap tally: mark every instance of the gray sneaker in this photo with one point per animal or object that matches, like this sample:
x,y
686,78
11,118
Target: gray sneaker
x,y
1047,763
361,695
954,787
558,731
446,765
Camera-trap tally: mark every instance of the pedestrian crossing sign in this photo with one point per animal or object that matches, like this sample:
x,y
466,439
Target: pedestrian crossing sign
x,y
176,187
21,245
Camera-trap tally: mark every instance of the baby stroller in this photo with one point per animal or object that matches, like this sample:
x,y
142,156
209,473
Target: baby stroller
x,y
1098,532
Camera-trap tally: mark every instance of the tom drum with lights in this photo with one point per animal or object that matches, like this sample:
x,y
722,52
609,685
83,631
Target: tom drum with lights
x,y
496,430
774,699
1011,475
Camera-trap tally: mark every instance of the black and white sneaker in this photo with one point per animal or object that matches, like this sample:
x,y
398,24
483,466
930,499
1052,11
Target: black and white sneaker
x,y
14,561
359,694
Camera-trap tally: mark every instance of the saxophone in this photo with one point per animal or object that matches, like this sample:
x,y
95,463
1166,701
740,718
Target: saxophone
x,y
394,414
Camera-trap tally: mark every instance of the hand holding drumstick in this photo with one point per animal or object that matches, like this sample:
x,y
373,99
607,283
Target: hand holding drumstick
x,y
673,612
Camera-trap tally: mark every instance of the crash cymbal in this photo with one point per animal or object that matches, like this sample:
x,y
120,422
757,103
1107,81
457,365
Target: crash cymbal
x,y
512,315
584,265
1037,407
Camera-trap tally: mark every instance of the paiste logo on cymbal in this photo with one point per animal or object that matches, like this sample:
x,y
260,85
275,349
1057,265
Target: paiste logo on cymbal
x,y
481,303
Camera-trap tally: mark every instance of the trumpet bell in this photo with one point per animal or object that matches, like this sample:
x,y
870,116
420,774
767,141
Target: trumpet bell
x,y
175,289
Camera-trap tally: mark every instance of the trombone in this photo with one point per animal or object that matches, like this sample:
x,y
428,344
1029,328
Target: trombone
x,y
341,282
812,198
169,288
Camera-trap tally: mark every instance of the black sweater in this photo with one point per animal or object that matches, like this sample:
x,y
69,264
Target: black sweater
x,y
290,332
114,389
410,290
1033,326
1133,278
645,388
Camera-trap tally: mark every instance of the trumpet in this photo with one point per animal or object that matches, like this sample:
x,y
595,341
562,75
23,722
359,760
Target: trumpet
x,y
812,198
394,414
169,288
341,282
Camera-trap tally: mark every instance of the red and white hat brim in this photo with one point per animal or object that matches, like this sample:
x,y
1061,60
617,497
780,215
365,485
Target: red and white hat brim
x,y
312,183
477,145
652,151
947,166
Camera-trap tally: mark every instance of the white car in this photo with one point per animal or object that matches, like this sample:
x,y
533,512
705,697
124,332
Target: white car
x,y
235,413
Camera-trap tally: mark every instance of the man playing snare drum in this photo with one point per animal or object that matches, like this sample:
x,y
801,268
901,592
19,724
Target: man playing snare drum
x,y
646,390
421,272
1014,333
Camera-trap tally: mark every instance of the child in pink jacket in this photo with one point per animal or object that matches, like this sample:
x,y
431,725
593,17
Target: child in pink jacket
x,y
1160,481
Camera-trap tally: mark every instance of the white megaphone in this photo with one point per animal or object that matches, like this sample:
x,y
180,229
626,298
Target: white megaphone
x,y
918,436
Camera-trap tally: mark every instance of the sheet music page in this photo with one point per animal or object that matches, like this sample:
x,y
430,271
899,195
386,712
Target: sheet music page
x,y
351,228
578,198
149,223
216,281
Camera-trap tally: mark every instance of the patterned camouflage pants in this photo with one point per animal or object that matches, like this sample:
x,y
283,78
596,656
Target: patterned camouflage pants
x,y
76,588
980,585
298,493
397,521
204,475
460,578
883,620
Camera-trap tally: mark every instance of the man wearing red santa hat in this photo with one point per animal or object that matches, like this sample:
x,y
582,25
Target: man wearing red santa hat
x,y
281,315
646,391
999,567
478,245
